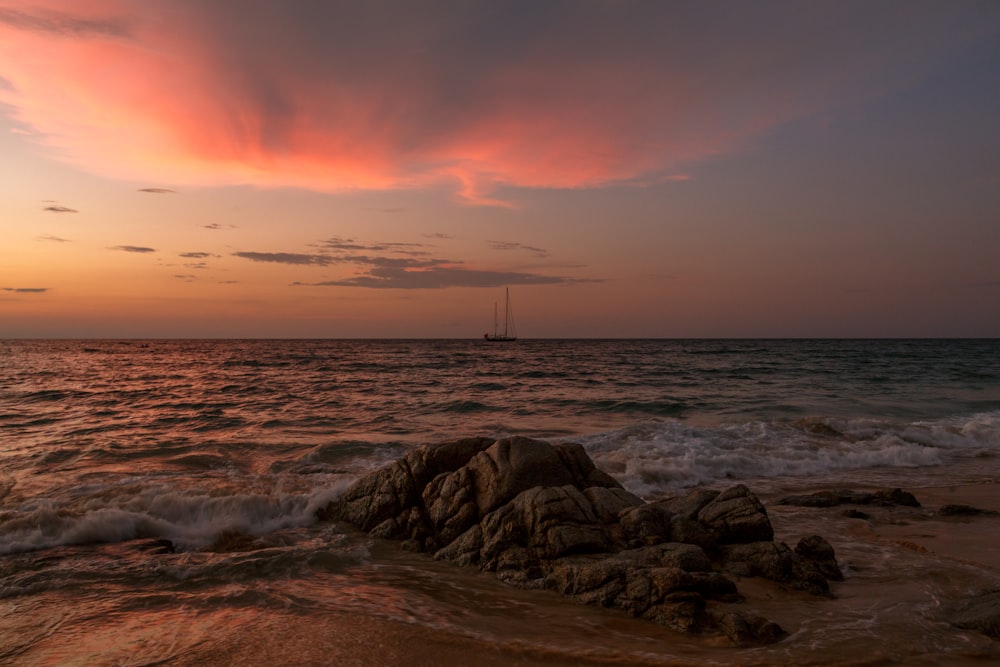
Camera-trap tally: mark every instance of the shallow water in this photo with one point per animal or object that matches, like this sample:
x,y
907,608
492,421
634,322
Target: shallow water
x,y
226,448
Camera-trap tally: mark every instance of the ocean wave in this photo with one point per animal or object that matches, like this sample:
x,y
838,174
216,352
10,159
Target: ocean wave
x,y
654,458
189,519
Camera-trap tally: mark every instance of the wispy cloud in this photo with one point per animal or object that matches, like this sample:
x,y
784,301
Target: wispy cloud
x,y
339,243
62,23
158,191
56,208
295,258
395,265
26,290
511,245
186,277
440,277
55,239
484,98
133,248
195,255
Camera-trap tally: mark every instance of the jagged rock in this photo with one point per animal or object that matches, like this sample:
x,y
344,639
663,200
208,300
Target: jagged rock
x,y
646,524
385,493
819,553
736,516
549,521
543,516
775,561
511,466
749,629
766,559
688,506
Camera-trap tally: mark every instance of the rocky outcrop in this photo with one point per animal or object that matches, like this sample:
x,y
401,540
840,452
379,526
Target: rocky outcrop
x,y
541,515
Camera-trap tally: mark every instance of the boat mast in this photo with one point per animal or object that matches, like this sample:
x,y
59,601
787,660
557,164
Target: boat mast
x,y
508,317
496,325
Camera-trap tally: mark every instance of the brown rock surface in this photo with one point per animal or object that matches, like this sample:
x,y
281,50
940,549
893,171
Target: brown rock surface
x,y
543,516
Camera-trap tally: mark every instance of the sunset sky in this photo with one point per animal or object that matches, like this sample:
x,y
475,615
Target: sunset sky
x,y
245,168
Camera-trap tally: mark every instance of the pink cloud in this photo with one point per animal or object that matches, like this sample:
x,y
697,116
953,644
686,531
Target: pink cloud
x,y
334,97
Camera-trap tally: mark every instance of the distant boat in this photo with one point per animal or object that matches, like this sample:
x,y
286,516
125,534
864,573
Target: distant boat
x,y
509,332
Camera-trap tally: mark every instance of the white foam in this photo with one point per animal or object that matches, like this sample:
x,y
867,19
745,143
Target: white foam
x,y
190,519
654,458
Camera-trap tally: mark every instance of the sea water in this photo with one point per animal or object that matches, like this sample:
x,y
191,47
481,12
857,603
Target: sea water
x,y
227,448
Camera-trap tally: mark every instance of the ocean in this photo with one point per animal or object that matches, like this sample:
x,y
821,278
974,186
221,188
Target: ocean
x,y
226,448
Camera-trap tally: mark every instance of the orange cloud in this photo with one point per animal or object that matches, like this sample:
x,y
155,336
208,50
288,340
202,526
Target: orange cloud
x,y
330,97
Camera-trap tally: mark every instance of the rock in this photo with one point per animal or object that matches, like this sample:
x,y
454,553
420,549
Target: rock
x,y
736,516
830,499
886,498
548,521
746,630
646,524
543,516
465,549
818,552
964,510
775,561
513,465
451,504
690,505
759,559
691,532
385,493
856,514
682,611
896,497
585,473
610,503
980,613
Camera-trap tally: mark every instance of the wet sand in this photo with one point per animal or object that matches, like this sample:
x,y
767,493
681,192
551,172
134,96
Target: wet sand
x,y
905,569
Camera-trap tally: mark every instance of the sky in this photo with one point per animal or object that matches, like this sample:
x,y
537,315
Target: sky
x,y
312,169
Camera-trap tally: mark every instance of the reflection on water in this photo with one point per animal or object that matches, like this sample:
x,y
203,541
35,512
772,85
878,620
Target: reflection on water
x,y
157,499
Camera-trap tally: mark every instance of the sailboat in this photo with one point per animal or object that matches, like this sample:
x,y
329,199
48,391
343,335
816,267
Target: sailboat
x,y
509,332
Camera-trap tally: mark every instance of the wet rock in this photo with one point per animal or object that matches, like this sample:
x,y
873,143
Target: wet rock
x,y
736,516
896,498
830,498
885,498
819,553
744,629
964,510
766,559
688,506
543,516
